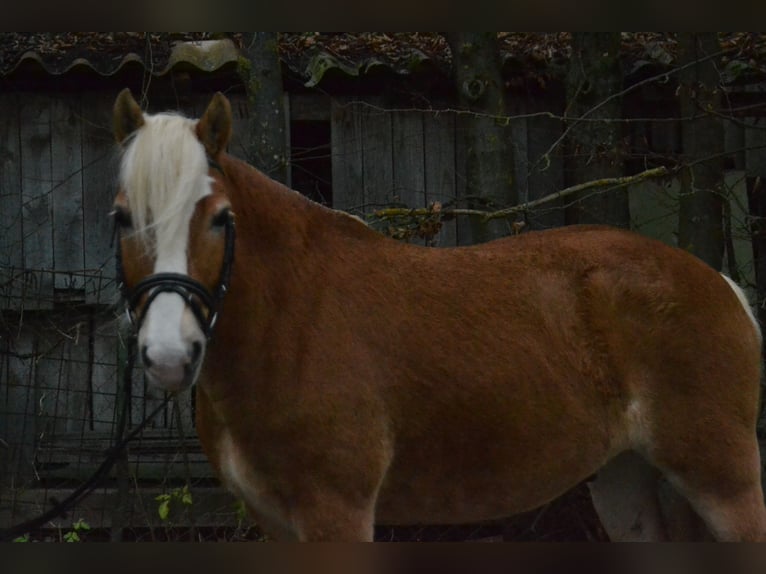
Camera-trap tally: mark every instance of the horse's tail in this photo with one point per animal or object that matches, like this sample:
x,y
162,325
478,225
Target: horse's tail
x,y
745,305
749,310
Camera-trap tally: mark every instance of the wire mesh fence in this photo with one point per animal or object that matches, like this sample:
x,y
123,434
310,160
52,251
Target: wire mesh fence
x,y
62,398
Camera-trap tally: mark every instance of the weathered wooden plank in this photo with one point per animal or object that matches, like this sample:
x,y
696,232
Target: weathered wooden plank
x,y
7,406
755,172
238,145
36,194
742,238
18,389
347,159
99,172
755,147
545,166
11,254
409,167
409,161
66,172
654,210
517,131
439,157
734,143
377,156
288,140
462,223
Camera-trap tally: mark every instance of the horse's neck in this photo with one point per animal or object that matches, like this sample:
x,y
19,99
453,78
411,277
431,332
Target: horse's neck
x,y
271,216
269,219
267,212
285,247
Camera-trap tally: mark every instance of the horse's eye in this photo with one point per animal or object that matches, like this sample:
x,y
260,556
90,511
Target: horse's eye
x,y
221,218
122,217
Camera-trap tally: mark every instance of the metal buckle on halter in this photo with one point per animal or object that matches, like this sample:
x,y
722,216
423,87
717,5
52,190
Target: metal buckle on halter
x,y
212,321
129,315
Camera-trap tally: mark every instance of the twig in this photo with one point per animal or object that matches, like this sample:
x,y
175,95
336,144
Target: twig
x,y
612,183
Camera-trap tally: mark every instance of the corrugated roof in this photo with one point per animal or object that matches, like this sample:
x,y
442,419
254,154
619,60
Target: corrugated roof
x,y
107,53
310,56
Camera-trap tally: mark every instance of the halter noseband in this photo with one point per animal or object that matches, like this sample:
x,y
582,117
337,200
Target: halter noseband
x,y
202,303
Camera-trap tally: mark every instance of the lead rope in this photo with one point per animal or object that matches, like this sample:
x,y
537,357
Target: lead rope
x,y
112,454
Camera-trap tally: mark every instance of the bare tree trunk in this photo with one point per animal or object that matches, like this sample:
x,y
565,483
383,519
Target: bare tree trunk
x,y
595,147
485,136
700,225
261,72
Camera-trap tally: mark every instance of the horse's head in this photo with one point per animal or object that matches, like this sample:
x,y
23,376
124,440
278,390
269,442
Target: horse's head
x,y
175,246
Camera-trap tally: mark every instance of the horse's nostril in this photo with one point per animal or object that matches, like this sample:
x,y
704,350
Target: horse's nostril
x,y
145,357
196,351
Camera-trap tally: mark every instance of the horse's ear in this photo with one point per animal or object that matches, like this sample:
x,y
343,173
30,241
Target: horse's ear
x,y
127,116
214,127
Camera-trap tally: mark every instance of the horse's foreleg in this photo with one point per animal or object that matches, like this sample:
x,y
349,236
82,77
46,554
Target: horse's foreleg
x,y
331,519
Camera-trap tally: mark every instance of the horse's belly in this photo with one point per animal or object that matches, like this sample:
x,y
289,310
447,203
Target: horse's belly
x,y
473,485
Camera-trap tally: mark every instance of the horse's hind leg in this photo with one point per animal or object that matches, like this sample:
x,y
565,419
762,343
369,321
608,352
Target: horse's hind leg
x,y
715,464
725,489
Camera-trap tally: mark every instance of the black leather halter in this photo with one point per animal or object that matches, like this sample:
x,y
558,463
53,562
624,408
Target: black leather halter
x,y
202,303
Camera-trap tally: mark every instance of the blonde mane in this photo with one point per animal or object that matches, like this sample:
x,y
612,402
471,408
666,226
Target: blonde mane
x,y
164,173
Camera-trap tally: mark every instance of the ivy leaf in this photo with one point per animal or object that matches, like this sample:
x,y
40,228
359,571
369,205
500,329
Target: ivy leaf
x,y
734,69
164,509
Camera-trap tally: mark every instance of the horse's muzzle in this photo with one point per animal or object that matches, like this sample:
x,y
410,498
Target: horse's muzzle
x,y
172,370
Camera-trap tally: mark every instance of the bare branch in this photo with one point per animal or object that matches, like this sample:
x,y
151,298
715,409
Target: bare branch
x,y
610,182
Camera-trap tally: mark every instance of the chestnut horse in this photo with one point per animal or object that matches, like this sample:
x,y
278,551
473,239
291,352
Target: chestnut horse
x,y
351,379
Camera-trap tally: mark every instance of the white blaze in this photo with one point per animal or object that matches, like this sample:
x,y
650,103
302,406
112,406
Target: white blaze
x,y
164,174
